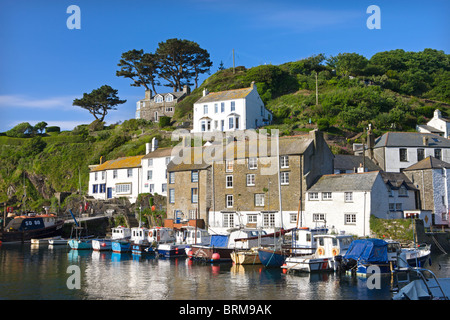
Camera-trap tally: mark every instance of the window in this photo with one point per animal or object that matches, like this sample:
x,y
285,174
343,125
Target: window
x,y
229,164
402,192
420,154
164,187
171,195
229,181
129,173
158,99
228,220
171,177
167,160
229,200
149,174
391,206
222,107
251,179
284,178
95,188
194,195
95,176
152,187
292,217
233,106
216,108
150,162
284,161
216,124
169,98
326,196
230,123
169,109
194,176
102,188
398,207
269,219
259,200
313,195
252,163
205,109
348,196
403,154
203,125
237,123
438,153
390,192
123,188
252,218
114,174
350,218
318,217
103,175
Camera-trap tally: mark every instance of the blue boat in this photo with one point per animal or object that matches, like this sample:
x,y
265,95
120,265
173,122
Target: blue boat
x,y
271,257
78,244
168,250
121,246
365,253
142,248
101,244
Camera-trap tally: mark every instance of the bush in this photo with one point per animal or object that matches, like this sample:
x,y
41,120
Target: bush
x,y
52,129
164,121
323,124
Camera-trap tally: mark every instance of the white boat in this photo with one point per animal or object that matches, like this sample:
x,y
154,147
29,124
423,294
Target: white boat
x,y
330,249
101,244
56,242
184,238
44,240
120,233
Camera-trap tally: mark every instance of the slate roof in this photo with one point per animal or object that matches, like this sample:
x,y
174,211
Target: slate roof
x,y
411,139
345,182
350,162
160,152
428,163
396,179
225,95
430,128
120,163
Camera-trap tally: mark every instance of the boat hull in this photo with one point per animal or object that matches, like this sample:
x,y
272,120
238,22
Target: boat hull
x,y
101,244
25,236
209,253
80,244
172,250
309,265
247,257
142,248
272,258
121,246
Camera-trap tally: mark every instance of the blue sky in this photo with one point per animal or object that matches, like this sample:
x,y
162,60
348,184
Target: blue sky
x,y
44,65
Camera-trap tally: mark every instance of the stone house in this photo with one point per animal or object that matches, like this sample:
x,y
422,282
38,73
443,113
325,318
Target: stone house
x,y
230,110
242,186
437,125
347,163
432,177
152,107
395,151
402,194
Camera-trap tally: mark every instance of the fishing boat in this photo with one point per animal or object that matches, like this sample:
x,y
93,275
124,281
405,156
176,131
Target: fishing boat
x,y
120,232
416,256
185,237
216,251
302,243
80,244
26,227
101,244
245,242
326,258
249,256
121,246
139,241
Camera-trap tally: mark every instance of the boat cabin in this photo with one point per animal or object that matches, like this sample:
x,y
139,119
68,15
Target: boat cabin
x,y
250,238
27,223
161,235
199,236
120,232
329,245
139,234
304,241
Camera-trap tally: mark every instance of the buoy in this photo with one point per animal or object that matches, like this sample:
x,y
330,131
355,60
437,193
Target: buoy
x,y
189,253
215,256
103,244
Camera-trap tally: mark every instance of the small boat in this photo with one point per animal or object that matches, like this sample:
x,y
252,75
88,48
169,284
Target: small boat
x,y
102,244
327,257
44,240
120,232
415,256
216,251
26,227
250,256
80,244
185,237
139,241
55,242
303,242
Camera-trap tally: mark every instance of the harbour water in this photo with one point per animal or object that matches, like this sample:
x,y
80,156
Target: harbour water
x,y
42,272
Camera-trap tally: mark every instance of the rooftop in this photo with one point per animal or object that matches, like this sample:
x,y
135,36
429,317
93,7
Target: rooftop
x,y
225,95
411,139
428,163
120,163
345,182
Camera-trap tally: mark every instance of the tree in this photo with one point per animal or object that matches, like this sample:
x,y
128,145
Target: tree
x,y
180,61
21,130
40,127
99,101
350,64
140,67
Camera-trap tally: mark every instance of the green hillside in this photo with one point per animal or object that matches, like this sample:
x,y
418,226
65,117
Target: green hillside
x,y
393,90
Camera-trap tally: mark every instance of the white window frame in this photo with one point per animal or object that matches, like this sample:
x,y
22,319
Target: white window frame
x,y
284,178
123,188
350,218
284,162
228,220
348,196
313,196
319,217
229,201
253,163
269,219
229,181
259,199
171,195
251,178
327,195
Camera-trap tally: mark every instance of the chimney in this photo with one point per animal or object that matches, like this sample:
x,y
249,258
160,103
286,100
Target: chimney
x,y
147,148
425,141
361,168
186,89
205,92
154,144
148,94
370,142
253,85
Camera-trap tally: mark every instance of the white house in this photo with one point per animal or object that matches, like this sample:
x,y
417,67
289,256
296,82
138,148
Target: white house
x,y
230,110
116,178
395,151
344,202
401,194
154,169
437,125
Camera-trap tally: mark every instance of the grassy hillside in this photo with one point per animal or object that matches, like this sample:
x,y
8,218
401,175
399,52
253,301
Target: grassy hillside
x,y
393,90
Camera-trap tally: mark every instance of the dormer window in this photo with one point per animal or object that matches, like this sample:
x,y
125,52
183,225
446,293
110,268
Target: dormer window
x,y
169,98
158,99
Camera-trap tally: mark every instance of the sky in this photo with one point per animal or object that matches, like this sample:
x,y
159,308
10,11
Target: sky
x,y
44,65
